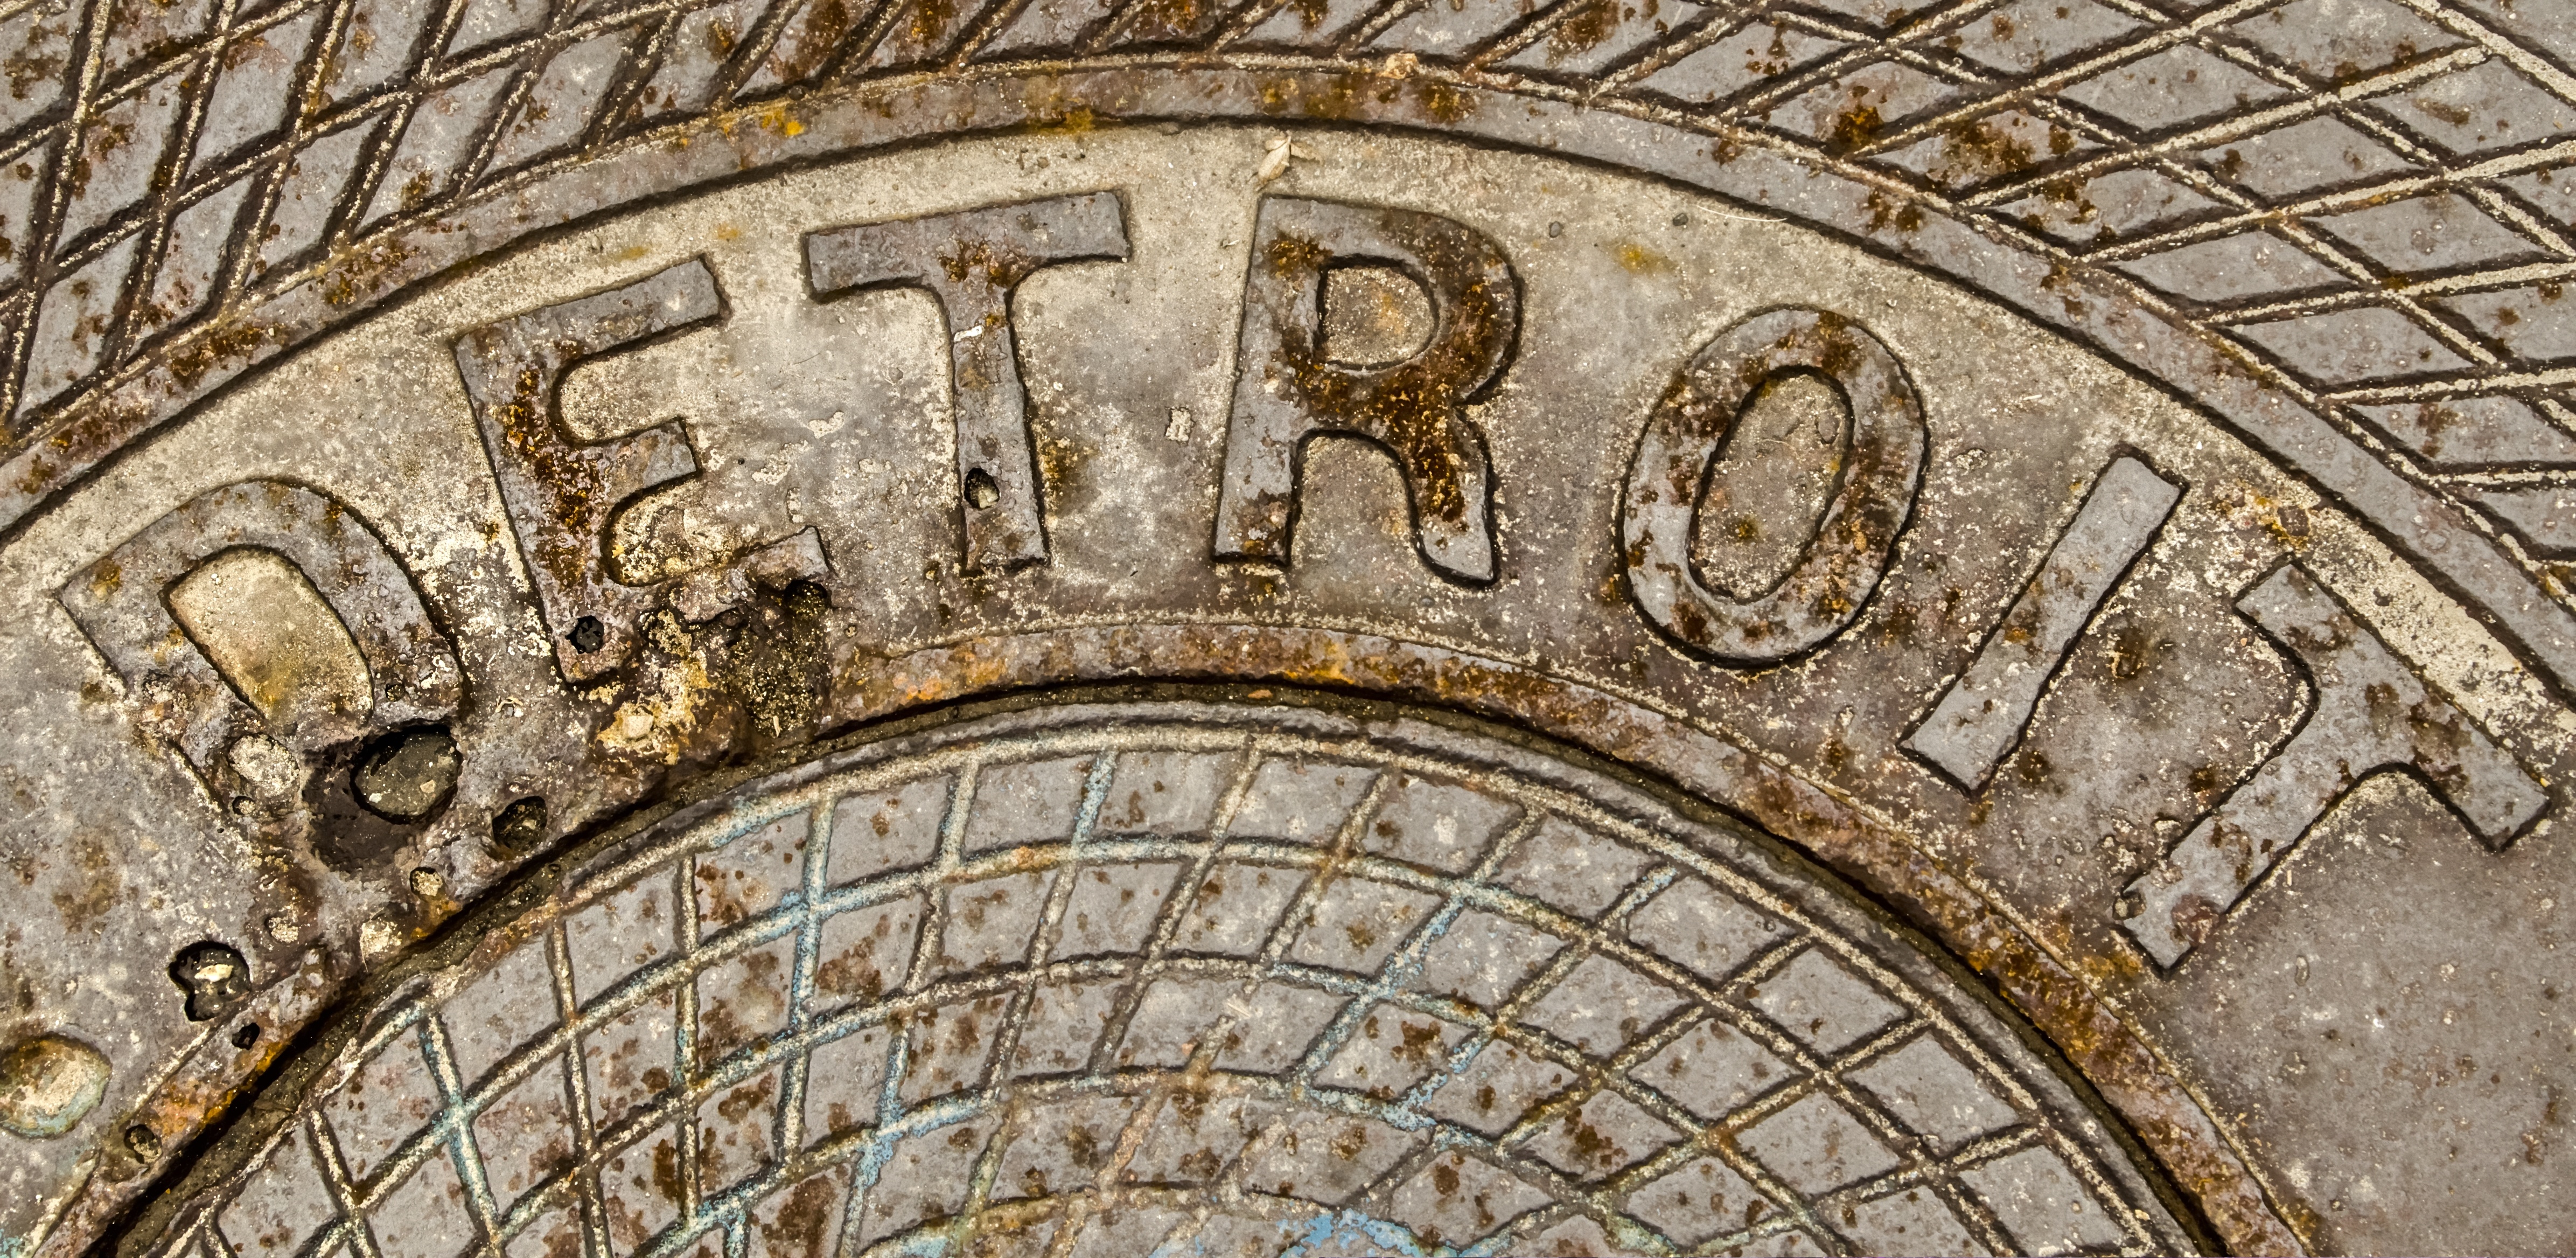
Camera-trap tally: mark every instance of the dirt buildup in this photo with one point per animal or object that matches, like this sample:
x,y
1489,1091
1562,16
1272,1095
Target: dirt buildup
x,y
212,976
407,775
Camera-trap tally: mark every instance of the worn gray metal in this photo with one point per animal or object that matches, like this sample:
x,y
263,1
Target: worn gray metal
x,y
2089,477
1064,1006
973,263
2367,716
1977,719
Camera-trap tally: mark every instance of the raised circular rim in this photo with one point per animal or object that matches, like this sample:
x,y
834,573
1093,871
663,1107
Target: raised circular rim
x,y
529,900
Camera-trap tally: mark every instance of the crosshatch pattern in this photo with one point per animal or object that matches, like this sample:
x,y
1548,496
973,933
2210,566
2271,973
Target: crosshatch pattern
x,y
1174,984
2367,200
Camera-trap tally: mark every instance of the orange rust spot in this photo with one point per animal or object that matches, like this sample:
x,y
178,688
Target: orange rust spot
x,y
1853,127
1636,259
364,272
223,345
1446,102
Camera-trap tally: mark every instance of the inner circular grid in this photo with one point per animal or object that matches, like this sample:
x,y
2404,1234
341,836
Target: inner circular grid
x,y
1175,978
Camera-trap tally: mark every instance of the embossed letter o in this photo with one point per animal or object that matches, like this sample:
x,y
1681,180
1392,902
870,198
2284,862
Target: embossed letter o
x,y
1872,496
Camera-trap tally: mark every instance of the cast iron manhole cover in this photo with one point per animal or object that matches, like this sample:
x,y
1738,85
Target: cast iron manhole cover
x,y
644,627
1218,979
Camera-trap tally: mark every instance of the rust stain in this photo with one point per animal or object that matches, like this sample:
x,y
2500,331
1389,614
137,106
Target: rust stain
x,y
2063,1003
222,346
1636,259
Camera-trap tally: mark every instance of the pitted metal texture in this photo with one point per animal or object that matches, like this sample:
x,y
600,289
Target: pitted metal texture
x,y
1189,978
2095,474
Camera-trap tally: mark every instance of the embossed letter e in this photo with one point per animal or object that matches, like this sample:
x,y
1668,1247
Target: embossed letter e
x,y
1286,389
563,494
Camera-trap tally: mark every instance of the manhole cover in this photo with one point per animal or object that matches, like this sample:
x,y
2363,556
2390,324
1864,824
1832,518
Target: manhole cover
x,y
1217,979
2093,479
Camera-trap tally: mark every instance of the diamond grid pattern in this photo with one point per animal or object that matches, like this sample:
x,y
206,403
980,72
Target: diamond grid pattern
x,y
137,139
1606,1116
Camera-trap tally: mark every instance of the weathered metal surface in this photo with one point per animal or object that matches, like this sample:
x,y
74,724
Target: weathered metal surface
x,y
1252,977
2086,474
1973,726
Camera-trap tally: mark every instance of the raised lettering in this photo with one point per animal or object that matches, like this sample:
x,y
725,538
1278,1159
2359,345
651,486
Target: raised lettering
x,y
972,262
1983,714
563,494
1289,388
121,603
1668,487
2369,715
